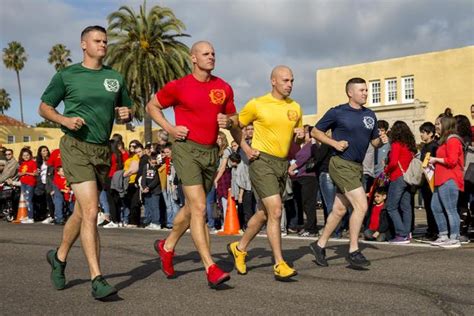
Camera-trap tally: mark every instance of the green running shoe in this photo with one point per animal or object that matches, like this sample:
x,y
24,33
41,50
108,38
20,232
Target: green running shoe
x,y
57,270
101,288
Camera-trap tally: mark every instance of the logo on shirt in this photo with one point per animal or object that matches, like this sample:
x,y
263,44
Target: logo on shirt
x,y
111,85
369,122
292,115
217,96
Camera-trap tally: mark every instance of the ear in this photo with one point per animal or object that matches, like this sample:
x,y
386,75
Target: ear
x,y
193,59
83,45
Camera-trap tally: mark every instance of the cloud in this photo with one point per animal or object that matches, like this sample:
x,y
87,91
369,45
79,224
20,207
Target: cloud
x,y
250,37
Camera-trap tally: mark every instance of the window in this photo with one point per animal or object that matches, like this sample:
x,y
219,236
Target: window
x,y
408,86
41,138
375,92
391,91
26,139
10,139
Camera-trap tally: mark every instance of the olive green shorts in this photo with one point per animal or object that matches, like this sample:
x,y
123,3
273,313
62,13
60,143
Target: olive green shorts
x,y
347,175
195,163
268,175
83,161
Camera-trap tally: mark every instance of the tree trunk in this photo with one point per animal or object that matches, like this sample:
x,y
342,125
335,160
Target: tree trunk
x,y
21,99
148,135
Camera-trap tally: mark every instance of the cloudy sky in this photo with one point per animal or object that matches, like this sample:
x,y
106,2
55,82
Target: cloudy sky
x,y
250,37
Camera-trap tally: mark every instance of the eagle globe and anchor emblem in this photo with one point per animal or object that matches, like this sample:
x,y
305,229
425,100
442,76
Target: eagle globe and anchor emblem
x,y
111,85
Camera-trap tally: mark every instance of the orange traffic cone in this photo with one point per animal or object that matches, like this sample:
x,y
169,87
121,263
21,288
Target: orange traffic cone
x,y
22,210
231,222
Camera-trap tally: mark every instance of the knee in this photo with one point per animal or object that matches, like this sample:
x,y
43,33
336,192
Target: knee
x,y
274,213
198,210
339,211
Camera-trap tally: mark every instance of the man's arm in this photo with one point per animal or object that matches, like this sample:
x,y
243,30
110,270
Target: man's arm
x,y
235,128
155,110
379,141
325,139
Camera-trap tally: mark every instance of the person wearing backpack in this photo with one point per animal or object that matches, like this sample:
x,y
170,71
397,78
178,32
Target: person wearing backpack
x,y
448,181
399,201
463,130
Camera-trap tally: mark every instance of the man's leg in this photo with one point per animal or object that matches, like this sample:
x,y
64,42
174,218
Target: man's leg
x,y
71,231
87,197
273,206
339,208
254,226
180,225
358,200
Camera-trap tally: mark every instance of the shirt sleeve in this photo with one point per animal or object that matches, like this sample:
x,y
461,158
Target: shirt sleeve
x,y
393,158
328,121
168,95
229,107
300,120
248,113
453,152
55,92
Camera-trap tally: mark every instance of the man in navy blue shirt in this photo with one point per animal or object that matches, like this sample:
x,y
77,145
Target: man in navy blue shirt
x,y
353,127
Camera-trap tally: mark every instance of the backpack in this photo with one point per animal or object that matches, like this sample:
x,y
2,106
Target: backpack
x,y
414,173
468,159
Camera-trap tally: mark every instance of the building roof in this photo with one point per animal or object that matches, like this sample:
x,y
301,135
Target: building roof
x,y
6,120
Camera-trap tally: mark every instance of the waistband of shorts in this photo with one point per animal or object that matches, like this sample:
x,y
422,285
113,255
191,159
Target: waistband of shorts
x,y
193,143
359,164
272,157
84,142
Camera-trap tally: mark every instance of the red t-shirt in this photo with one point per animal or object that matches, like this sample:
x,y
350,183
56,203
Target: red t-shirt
x,y
113,162
374,222
55,161
28,166
196,105
398,153
453,167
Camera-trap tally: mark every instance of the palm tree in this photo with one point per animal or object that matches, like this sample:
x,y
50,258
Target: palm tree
x,y
59,56
145,49
4,100
14,57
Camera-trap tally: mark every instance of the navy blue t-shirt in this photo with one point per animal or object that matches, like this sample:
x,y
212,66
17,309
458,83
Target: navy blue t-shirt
x,y
356,126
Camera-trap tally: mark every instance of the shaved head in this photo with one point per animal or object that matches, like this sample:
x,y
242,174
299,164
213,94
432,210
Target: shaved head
x,y
279,70
199,46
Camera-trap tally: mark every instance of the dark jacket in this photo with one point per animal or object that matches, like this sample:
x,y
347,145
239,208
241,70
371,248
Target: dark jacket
x,y
150,179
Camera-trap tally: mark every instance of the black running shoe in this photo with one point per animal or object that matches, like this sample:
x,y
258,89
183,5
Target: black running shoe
x,y
319,254
357,259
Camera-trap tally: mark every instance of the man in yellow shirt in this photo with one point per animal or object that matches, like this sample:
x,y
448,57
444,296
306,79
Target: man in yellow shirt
x,y
276,119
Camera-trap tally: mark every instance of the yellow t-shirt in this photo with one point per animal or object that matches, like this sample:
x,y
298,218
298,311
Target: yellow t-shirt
x,y
126,166
273,121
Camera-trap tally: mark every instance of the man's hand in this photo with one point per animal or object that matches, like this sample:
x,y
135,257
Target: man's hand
x,y
251,153
124,114
299,132
146,190
179,132
224,121
73,123
383,138
341,145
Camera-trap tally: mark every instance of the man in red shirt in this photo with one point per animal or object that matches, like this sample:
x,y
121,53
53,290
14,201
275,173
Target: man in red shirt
x,y
202,103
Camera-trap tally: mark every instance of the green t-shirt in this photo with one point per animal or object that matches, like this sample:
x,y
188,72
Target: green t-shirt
x,y
90,94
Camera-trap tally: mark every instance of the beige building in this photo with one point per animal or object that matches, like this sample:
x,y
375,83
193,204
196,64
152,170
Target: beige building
x,y
414,88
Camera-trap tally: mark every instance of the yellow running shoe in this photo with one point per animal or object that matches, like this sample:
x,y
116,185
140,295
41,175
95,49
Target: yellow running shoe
x,y
239,257
283,272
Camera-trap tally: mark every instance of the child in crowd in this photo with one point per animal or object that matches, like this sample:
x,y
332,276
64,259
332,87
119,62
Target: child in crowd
x,y
27,174
67,194
151,191
430,145
378,228
171,194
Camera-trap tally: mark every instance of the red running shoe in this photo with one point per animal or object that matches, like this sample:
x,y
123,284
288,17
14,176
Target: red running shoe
x,y
216,276
166,258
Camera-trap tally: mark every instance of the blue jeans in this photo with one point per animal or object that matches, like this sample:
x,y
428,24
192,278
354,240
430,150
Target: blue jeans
x,y
28,192
58,200
210,200
399,206
446,197
172,208
328,190
104,203
152,209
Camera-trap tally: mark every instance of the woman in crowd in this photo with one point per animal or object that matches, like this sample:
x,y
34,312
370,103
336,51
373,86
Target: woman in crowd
x,y
43,199
399,200
448,181
27,174
223,178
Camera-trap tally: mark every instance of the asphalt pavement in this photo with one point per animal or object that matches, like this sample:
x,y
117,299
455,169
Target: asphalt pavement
x,y
412,279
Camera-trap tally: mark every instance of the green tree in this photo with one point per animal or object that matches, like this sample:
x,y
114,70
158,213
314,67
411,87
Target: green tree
x,y
59,56
14,57
48,124
145,48
5,100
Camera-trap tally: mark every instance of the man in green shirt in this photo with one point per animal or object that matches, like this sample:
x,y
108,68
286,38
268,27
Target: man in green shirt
x,y
92,94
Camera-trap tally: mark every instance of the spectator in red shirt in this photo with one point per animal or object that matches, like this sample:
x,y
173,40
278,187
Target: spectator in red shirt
x,y
378,227
449,180
27,174
399,200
